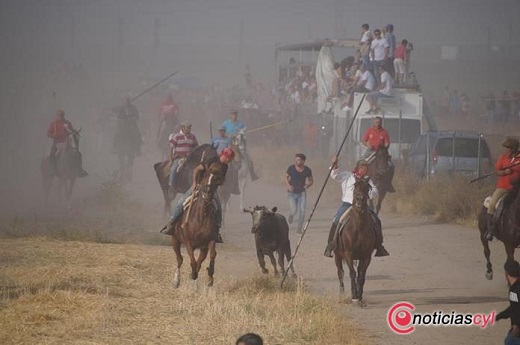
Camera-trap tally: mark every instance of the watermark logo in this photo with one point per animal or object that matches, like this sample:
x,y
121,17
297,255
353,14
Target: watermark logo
x,y
402,318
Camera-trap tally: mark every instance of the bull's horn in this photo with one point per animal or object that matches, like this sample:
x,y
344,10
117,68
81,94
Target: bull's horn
x,y
248,210
274,209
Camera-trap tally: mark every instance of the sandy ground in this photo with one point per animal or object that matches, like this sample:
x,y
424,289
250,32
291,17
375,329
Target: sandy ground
x,y
436,267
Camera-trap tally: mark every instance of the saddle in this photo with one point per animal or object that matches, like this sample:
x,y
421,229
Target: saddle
x,y
343,220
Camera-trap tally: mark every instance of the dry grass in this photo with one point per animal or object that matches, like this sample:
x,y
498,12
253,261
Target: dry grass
x,y
444,198
56,292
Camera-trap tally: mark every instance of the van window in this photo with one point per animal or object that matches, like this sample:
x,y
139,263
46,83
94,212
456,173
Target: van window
x,y
464,147
410,129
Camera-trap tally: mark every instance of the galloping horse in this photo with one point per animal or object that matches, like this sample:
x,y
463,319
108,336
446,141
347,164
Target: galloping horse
x,y
244,173
197,227
379,172
184,178
356,241
507,227
66,166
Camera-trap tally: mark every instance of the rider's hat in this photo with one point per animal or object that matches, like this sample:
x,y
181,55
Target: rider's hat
x,y
511,143
362,162
185,124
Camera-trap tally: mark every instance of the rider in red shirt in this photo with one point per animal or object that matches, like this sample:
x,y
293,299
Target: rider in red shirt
x,y
375,137
59,131
507,168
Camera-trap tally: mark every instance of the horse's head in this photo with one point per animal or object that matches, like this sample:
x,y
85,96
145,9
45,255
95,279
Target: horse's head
x,y
361,190
260,215
239,141
213,178
380,162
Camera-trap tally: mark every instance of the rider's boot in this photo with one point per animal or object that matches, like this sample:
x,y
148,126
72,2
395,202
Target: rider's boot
x,y
330,244
380,249
391,171
490,228
168,228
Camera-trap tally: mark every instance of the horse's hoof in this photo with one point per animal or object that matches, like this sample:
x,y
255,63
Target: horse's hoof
x,y
176,284
194,276
489,275
210,283
265,271
355,301
362,303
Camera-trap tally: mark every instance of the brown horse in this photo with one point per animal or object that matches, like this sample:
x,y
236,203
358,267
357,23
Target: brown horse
x,y
184,178
66,166
507,227
197,227
381,173
356,241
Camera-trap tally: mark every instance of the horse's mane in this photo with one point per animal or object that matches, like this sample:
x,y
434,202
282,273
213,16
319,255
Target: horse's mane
x,y
195,157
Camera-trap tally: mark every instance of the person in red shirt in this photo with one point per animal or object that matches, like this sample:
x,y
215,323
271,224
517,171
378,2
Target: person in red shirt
x,y
375,137
507,168
168,120
59,131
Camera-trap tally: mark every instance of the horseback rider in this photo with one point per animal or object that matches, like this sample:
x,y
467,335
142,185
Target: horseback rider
x,y
507,172
128,139
59,131
222,141
375,137
224,158
182,144
348,180
233,126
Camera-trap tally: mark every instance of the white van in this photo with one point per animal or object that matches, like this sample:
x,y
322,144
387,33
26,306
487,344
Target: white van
x,y
402,117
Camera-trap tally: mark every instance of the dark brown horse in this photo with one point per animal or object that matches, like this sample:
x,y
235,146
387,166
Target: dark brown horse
x,y
356,241
507,227
184,178
197,227
380,172
66,166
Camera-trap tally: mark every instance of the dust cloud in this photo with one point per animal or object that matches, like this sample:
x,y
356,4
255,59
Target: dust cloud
x,y
84,56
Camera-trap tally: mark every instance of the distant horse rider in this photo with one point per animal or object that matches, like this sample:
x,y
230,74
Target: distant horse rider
x,y
59,131
233,127
375,137
168,118
507,173
222,141
182,144
223,159
348,180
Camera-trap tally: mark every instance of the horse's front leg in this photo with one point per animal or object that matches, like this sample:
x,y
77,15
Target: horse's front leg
x,y
353,278
202,256
193,263
339,265
261,261
211,267
177,249
362,270
487,254
510,251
